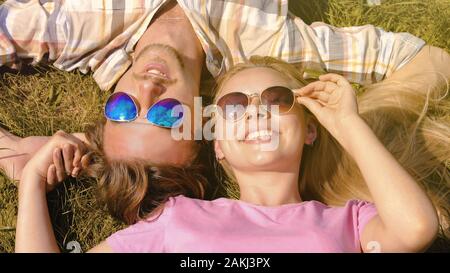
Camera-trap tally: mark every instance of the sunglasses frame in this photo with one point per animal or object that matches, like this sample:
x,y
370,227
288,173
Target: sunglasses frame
x,y
259,95
137,112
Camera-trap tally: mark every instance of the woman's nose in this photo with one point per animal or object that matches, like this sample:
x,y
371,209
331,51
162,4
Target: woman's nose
x,y
148,94
256,110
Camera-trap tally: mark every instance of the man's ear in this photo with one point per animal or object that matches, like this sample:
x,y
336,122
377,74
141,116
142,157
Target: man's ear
x,y
311,132
218,151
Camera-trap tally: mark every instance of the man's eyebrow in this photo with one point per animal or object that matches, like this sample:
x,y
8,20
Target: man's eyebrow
x,y
167,48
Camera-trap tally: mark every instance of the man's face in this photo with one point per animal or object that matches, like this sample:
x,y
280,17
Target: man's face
x,y
158,72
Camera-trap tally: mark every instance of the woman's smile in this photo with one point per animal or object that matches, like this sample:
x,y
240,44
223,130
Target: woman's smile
x,y
260,136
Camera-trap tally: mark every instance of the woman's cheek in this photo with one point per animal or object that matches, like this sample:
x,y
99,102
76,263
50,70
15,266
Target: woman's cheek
x,y
293,131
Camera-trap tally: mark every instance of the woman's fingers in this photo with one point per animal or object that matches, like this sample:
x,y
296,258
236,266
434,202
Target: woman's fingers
x,y
317,86
75,171
322,96
51,177
313,105
78,146
338,79
68,154
79,151
84,163
315,90
59,164
308,89
85,160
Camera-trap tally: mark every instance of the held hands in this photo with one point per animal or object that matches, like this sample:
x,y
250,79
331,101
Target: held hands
x,y
61,156
332,101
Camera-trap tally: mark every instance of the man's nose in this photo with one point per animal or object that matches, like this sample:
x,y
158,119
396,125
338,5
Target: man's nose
x,y
148,94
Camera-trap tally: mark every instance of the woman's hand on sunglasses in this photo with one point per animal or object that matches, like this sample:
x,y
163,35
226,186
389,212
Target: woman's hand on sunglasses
x,y
332,101
61,156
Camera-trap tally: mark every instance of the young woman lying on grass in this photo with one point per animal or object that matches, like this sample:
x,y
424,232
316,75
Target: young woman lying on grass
x,y
321,135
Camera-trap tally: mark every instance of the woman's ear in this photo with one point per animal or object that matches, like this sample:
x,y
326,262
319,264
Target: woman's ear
x,y
218,151
311,132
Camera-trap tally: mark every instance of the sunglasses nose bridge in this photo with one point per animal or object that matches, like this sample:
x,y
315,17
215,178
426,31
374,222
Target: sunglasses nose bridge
x,y
254,99
255,110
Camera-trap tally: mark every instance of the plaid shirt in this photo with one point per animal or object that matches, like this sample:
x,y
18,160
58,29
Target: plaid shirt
x,y
100,35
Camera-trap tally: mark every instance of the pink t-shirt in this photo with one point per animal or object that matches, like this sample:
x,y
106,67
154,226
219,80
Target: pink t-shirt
x,y
225,225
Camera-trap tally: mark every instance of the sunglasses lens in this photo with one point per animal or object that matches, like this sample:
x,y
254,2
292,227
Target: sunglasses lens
x,y
166,113
278,96
233,105
120,107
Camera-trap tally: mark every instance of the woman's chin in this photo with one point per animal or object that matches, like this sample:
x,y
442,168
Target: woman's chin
x,y
263,160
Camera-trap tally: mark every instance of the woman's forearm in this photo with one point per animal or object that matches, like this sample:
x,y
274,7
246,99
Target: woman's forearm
x,y
34,232
16,151
404,208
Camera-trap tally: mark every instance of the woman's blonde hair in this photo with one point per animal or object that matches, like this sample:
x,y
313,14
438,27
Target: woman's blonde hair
x,y
414,126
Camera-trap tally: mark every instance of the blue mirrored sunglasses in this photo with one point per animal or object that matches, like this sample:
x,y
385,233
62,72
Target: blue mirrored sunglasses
x,y
121,107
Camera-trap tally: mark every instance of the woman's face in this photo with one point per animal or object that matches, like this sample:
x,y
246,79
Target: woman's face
x,y
276,142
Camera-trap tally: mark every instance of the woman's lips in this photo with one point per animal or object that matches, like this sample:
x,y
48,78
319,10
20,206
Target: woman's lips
x,y
260,136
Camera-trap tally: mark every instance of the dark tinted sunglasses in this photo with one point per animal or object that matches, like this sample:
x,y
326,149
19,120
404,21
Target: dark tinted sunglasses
x,y
234,105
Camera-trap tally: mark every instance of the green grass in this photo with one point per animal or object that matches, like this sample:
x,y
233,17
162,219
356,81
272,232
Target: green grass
x,y
41,101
